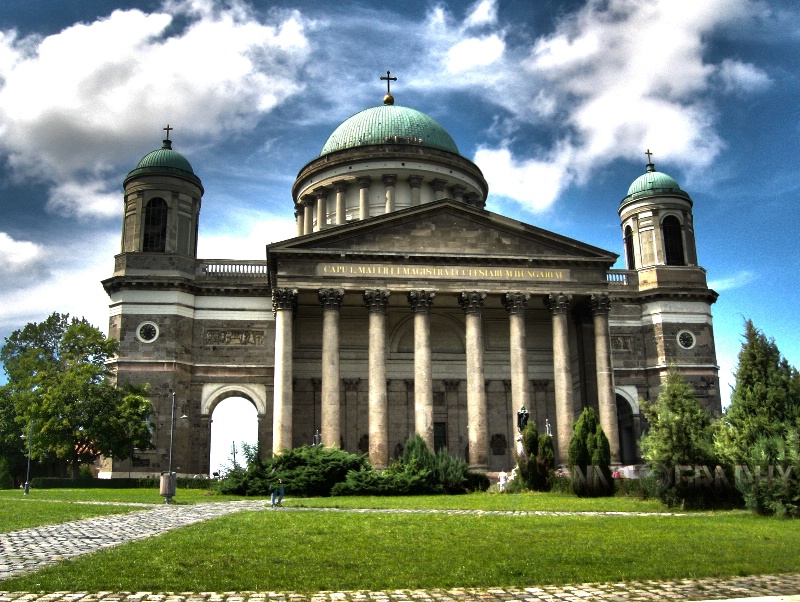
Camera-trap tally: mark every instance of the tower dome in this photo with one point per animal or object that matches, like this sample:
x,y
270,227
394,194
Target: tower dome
x,y
653,183
391,124
164,161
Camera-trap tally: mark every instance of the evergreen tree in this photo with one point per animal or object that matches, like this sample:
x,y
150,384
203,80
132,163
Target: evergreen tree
x,y
59,385
590,457
765,400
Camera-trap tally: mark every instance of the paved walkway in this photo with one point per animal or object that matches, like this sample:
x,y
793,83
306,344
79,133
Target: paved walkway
x,y
30,549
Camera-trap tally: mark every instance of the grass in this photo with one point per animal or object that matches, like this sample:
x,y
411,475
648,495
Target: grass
x,y
52,506
313,551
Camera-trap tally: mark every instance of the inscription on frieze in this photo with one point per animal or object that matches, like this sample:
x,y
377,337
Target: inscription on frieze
x,y
238,338
443,272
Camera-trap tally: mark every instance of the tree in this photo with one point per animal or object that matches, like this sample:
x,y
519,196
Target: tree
x,y
60,386
537,460
678,446
590,457
765,400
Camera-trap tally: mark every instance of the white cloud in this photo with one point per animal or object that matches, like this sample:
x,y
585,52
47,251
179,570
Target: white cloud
x,y
482,13
84,200
18,255
744,77
738,280
77,102
474,52
245,236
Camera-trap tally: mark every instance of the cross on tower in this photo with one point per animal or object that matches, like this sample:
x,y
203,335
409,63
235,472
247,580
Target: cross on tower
x,y
168,130
388,80
649,154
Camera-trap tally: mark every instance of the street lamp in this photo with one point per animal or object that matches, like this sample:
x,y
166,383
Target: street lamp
x,y
27,489
168,479
522,419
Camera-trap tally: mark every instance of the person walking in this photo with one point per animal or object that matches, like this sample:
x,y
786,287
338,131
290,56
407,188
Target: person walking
x,y
277,493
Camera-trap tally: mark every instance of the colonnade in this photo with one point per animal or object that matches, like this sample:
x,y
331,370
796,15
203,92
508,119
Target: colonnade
x,y
420,301
315,204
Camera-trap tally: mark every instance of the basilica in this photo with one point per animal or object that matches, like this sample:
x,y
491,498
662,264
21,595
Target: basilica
x,y
403,306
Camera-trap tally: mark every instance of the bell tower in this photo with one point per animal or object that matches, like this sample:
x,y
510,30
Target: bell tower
x,y
162,204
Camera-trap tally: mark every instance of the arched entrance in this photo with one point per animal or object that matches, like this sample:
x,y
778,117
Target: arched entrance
x,y
234,421
628,424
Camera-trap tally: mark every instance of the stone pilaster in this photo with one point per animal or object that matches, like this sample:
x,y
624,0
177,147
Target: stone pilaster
x,y
341,202
308,214
363,196
477,411
322,208
389,182
284,301
416,184
376,302
558,304
331,405
515,304
423,384
606,395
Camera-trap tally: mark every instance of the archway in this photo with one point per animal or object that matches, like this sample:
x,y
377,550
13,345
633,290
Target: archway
x,y
234,421
627,431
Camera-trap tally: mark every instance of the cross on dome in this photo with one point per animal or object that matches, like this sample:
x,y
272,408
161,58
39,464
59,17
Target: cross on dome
x,y
388,99
168,130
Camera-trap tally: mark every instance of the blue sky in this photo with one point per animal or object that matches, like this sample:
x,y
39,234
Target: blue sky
x,y
555,100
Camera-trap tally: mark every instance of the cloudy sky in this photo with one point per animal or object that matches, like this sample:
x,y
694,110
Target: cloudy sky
x,y
556,100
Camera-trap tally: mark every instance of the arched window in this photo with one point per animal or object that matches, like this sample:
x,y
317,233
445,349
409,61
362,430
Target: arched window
x,y
629,248
673,241
155,226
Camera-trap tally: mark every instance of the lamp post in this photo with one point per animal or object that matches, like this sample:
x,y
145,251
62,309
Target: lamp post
x,y
522,419
27,488
168,479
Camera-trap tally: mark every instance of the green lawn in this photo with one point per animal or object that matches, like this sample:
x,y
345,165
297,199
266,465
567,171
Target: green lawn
x,y
311,551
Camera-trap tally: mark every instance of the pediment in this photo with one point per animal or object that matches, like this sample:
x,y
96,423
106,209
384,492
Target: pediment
x,y
444,228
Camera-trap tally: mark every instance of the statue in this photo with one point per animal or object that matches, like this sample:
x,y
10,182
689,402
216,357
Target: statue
x,y
547,429
522,419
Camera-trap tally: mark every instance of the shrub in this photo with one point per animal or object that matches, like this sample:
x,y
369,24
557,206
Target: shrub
x,y
590,457
6,481
535,464
771,483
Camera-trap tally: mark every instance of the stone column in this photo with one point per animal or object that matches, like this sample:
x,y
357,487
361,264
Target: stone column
x,y
477,419
458,192
363,196
389,181
438,186
308,214
606,397
341,203
558,304
376,302
322,208
515,304
298,216
284,301
331,408
423,384
416,183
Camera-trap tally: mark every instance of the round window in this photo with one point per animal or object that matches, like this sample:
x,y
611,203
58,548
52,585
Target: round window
x,y
147,332
686,339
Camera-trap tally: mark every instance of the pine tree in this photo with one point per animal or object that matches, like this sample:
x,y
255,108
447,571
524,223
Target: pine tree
x,y
590,457
765,400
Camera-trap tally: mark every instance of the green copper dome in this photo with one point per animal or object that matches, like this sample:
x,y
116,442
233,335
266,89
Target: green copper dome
x,y
653,183
389,124
164,161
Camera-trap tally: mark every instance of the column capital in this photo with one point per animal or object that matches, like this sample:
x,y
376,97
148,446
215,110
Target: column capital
x,y
376,300
283,299
558,303
515,302
364,181
457,190
330,298
600,304
308,200
389,179
298,212
322,192
421,301
341,186
438,184
452,385
540,385
415,181
351,384
474,199
472,301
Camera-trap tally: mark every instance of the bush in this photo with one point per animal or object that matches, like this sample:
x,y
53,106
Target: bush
x,y
535,464
6,481
133,483
305,471
590,457
771,484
